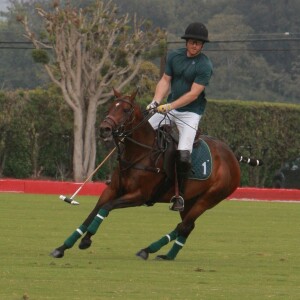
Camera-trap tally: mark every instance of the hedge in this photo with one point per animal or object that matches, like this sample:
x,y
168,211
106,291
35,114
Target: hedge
x,y
36,137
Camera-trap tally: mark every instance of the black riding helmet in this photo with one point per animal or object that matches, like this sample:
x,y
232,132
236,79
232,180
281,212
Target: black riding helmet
x,y
196,31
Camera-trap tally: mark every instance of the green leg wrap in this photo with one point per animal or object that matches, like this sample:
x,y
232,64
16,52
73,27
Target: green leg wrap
x,y
93,227
177,246
154,247
71,240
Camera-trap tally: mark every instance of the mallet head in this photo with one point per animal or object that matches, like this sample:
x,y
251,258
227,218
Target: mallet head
x,y
68,200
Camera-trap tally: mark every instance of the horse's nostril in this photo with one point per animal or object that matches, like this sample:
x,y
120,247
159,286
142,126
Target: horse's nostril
x,y
105,131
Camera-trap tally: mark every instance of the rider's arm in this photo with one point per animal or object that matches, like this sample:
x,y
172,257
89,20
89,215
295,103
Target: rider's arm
x,y
188,97
162,88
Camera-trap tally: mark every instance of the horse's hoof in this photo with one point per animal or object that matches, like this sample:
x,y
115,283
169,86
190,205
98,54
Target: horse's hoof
x,y
57,253
142,254
162,257
84,244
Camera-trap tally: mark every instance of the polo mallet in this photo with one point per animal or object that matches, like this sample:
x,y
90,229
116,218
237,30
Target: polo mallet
x,y
71,199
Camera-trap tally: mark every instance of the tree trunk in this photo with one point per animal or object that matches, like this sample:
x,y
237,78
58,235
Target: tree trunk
x,y
84,155
90,138
78,147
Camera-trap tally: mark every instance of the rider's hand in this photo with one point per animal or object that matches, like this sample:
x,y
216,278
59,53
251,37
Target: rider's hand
x,y
152,105
165,108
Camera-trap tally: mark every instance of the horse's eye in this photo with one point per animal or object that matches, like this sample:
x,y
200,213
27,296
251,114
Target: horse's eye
x,y
126,110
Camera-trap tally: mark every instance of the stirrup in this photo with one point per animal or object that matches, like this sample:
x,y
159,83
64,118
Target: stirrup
x,y
177,203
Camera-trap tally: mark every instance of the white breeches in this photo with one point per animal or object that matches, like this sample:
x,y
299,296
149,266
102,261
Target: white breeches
x,y
186,122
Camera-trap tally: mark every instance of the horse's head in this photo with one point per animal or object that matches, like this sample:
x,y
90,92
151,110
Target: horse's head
x,y
120,116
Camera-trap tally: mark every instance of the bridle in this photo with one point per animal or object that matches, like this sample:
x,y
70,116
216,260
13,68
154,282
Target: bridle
x,y
122,131
119,129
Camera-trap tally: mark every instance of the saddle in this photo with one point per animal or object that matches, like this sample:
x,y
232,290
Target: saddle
x,y
167,141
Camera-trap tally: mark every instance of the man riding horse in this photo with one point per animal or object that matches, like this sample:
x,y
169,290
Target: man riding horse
x,y
141,159
186,75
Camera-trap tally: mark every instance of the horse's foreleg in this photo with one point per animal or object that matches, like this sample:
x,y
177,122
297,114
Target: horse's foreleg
x,y
92,228
77,234
108,194
128,200
69,242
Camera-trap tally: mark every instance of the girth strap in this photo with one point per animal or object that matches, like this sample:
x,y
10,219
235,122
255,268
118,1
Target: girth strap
x,y
145,168
126,165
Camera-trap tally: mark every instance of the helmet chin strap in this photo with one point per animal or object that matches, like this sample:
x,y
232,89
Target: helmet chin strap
x,y
189,55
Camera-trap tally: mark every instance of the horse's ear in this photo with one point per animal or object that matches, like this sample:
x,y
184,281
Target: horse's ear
x,y
116,93
132,97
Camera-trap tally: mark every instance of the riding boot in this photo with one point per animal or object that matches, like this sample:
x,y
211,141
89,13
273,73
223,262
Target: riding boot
x,y
183,167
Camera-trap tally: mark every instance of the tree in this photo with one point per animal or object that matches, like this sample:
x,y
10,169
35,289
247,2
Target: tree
x,y
94,49
16,57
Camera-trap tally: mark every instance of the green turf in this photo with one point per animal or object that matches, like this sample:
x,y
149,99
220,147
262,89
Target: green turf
x,y
238,250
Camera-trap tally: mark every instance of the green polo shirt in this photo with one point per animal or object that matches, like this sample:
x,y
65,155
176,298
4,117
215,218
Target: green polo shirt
x,y
184,72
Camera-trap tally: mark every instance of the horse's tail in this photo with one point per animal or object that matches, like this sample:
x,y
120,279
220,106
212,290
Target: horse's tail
x,y
250,161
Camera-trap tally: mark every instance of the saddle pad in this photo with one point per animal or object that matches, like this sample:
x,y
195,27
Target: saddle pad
x,y
201,162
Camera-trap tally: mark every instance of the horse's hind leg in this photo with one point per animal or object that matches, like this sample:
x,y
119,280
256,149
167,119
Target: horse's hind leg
x,y
187,225
180,235
184,231
154,247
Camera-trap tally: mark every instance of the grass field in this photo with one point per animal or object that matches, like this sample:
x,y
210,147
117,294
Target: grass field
x,y
238,250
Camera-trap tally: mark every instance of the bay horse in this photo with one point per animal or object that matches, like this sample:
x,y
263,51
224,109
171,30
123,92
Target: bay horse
x,y
141,170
